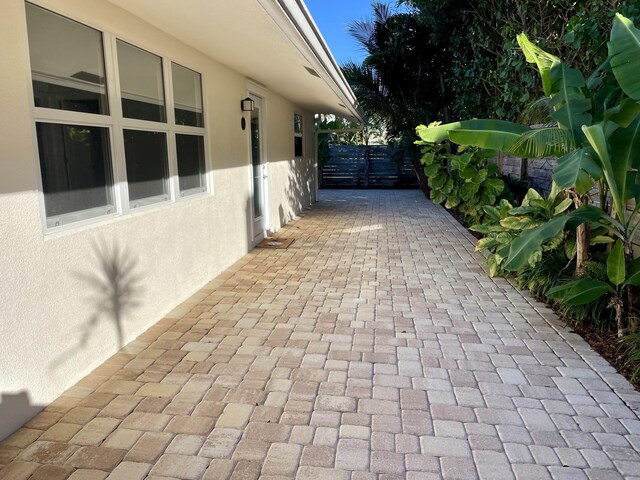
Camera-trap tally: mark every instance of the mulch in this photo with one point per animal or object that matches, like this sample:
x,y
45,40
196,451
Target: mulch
x,y
610,348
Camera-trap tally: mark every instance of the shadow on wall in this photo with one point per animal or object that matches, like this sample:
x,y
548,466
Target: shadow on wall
x,y
15,408
299,190
114,288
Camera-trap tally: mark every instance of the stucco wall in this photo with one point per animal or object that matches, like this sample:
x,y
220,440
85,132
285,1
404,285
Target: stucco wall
x,y
54,325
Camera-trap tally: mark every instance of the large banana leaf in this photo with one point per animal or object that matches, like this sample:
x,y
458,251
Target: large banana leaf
x,y
478,132
577,169
616,264
531,240
624,55
625,155
633,275
625,113
569,102
542,59
598,139
581,291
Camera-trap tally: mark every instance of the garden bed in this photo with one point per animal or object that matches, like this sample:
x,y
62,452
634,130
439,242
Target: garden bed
x,y
606,343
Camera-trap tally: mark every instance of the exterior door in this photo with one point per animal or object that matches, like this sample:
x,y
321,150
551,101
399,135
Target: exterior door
x,y
258,170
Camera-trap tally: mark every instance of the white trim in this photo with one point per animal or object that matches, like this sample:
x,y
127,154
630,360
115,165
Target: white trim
x,y
257,236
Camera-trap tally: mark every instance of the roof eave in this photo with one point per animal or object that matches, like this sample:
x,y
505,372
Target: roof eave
x,y
295,21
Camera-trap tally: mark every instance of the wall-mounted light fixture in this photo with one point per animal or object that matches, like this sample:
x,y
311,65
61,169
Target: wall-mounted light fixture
x,y
247,105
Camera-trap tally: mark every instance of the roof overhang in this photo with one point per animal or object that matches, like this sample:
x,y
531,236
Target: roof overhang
x,y
275,43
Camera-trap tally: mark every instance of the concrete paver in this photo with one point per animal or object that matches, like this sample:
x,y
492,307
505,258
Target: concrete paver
x,y
374,347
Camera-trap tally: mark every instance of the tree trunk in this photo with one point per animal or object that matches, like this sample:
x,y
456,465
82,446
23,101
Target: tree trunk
x,y
582,237
618,307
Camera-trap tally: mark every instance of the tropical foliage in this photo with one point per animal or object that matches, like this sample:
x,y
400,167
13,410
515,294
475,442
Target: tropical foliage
x,y
480,64
466,181
596,134
505,223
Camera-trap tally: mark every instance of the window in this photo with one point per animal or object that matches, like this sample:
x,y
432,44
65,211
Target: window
x,y
188,111
75,162
107,149
187,94
297,135
141,84
67,63
147,169
190,151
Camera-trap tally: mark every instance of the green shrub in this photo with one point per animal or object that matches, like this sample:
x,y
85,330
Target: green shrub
x,y
466,181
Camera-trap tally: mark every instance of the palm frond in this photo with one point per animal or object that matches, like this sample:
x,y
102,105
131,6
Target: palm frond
x,y
543,142
537,112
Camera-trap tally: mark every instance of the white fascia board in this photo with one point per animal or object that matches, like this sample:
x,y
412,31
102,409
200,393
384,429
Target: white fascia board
x,y
295,21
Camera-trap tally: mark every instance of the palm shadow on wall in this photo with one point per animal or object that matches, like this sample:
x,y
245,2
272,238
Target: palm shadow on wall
x,y
299,190
114,289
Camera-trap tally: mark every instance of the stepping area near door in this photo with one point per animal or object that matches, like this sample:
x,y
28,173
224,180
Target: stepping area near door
x,y
373,347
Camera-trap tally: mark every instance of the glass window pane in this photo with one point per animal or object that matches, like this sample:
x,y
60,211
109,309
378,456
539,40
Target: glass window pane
x,y
297,123
75,163
147,171
190,149
141,83
187,96
297,132
67,63
297,146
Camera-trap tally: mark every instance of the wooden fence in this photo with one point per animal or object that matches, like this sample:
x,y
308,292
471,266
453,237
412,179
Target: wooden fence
x,y
366,166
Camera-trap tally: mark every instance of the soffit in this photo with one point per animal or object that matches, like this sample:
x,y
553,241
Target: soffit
x,y
243,36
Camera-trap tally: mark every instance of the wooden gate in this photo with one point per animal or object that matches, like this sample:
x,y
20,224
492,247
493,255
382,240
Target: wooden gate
x,y
366,166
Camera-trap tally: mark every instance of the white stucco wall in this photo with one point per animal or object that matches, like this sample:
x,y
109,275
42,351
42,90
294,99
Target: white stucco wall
x,y
47,295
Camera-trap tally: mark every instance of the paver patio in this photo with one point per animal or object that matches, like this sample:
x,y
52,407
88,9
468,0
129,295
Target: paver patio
x,y
374,347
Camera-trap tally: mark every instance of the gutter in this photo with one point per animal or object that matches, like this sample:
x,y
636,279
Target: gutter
x,y
295,21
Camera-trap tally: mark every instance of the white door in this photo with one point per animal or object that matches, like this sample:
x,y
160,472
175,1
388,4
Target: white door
x,y
258,170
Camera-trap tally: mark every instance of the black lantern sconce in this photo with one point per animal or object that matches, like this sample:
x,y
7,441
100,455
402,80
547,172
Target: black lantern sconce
x,y
246,105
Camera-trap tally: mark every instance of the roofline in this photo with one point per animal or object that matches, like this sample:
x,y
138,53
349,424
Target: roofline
x,y
294,19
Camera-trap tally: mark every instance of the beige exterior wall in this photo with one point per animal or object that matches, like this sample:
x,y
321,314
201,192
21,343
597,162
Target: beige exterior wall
x,y
54,325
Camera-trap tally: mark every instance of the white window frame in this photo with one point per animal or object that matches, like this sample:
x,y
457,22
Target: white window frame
x,y
188,130
116,124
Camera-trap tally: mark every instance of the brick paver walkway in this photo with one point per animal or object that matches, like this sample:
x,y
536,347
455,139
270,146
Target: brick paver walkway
x,y
375,347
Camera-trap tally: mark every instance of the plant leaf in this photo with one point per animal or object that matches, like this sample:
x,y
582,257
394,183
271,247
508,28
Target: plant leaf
x,y
577,169
616,264
493,186
559,291
542,59
543,142
624,55
625,151
498,132
628,111
601,240
633,275
596,136
516,223
581,291
570,104
531,240
562,206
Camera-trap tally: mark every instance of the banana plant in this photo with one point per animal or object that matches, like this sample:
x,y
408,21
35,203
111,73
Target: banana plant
x,y
504,223
622,275
597,139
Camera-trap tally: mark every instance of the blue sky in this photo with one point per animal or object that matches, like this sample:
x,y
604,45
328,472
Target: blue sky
x,y
332,18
